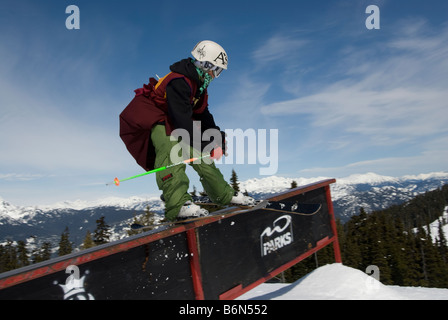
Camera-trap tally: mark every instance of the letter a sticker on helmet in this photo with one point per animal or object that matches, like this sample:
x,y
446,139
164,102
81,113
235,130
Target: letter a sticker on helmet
x,y
201,53
223,57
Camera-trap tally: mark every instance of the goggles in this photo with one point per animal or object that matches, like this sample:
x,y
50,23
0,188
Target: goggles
x,y
208,66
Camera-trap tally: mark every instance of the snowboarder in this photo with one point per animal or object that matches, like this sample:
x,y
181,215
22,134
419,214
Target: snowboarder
x,y
177,101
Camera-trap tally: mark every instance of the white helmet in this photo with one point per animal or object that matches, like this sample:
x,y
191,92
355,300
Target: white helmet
x,y
211,55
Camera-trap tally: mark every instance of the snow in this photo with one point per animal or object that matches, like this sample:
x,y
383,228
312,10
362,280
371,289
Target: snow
x,y
343,187
18,213
15,212
434,226
273,184
339,282
426,176
368,178
104,202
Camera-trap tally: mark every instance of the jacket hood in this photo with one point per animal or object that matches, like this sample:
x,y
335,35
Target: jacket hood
x,y
186,68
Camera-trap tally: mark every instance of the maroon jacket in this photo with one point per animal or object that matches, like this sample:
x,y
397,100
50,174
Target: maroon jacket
x,y
172,101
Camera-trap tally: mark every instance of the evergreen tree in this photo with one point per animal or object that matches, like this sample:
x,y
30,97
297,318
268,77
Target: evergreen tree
x,y
65,246
436,271
421,249
2,259
102,232
22,254
148,218
234,181
9,256
442,242
400,254
43,253
413,272
88,241
354,248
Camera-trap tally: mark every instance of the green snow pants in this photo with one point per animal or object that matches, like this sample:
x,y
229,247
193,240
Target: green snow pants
x,y
174,183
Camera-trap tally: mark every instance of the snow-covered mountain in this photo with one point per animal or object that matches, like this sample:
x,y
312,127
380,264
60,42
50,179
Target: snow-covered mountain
x,y
48,222
370,191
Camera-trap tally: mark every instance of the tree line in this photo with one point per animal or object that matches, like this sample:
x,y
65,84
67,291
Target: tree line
x,y
398,240
17,255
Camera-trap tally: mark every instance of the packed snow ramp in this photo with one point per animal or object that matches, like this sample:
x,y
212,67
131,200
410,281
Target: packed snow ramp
x,y
218,257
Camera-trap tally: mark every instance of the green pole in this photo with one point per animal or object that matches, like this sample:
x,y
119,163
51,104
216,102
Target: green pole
x,y
117,181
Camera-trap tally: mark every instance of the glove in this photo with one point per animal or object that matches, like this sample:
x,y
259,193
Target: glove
x,y
216,153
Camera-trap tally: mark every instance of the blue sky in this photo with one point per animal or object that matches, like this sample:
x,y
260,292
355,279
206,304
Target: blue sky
x,y
343,98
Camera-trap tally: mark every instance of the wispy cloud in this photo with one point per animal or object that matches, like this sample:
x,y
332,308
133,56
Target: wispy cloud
x,y
394,97
278,48
434,158
387,116
20,176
